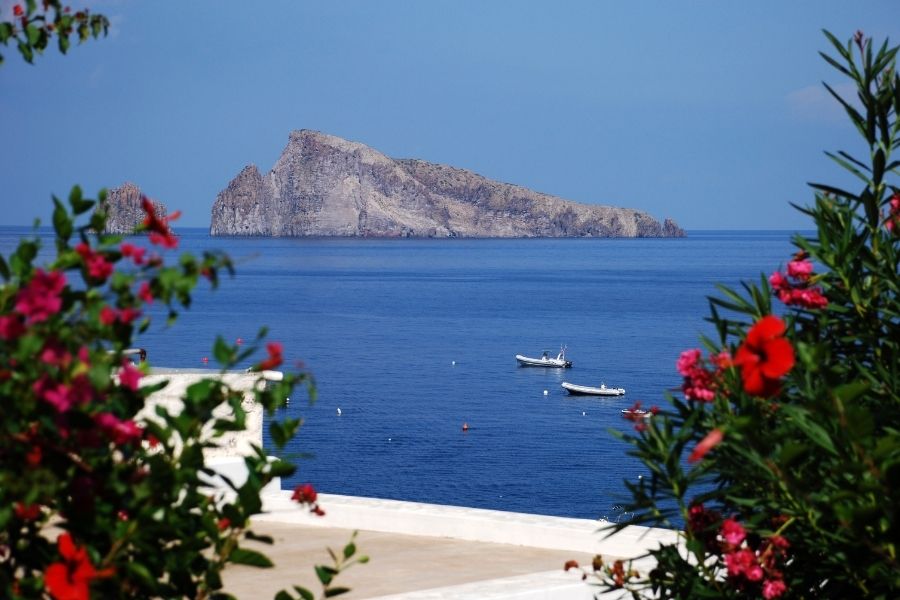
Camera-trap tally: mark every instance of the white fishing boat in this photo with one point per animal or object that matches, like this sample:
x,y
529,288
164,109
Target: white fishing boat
x,y
545,360
585,390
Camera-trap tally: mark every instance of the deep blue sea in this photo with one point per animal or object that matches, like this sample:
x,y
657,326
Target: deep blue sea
x,y
413,338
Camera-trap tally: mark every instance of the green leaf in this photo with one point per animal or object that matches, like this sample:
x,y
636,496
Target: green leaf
x,y
61,221
243,556
283,595
304,593
4,268
349,550
325,573
332,592
265,539
6,30
851,391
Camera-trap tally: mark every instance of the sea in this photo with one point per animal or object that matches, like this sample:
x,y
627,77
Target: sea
x,y
410,340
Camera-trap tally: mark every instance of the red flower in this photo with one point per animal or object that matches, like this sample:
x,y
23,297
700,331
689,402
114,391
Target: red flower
x,y
733,532
712,439
70,579
34,456
306,494
107,315
17,10
224,523
764,357
275,357
97,265
135,252
11,327
144,292
160,234
40,300
28,512
64,396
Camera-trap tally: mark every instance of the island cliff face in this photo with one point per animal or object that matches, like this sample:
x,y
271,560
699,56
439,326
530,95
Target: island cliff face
x,y
323,185
124,211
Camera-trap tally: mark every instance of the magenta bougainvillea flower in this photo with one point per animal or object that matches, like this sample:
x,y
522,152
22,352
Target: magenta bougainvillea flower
x,y
40,299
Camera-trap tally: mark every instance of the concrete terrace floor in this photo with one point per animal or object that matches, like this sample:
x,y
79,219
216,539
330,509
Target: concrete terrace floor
x,y
398,564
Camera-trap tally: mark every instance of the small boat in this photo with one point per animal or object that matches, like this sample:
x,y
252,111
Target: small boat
x,y
584,390
636,413
545,360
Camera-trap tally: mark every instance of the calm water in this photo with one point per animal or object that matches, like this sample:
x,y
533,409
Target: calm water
x,y
381,323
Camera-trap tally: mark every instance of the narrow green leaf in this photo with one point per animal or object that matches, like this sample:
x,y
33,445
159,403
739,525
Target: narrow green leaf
x,y
332,592
243,556
349,550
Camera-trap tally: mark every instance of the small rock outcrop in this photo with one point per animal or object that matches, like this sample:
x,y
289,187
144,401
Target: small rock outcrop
x,y
324,185
124,211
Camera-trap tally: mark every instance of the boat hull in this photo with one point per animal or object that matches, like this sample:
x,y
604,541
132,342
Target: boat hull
x,y
584,390
552,363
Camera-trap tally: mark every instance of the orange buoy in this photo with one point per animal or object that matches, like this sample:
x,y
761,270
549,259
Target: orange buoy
x,y
465,426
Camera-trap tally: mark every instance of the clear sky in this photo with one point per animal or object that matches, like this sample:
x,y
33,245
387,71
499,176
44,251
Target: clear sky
x,y
710,112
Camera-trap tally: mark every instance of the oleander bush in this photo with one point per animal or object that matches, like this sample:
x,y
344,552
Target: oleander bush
x,y
95,500
779,462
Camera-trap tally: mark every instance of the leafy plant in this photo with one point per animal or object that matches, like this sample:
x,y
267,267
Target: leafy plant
x,y
97,497
791,487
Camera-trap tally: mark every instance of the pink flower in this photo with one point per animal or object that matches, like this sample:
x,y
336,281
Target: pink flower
x,y
55,354
110,316
773,588
40,299
687,361
63,396
130,377
800,269
97,265
135,252
732,532
11,327
120,432
712,439
743,562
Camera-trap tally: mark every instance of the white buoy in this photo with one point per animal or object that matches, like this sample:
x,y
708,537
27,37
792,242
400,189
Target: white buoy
x,y
583,414
339,411
453,362
546,392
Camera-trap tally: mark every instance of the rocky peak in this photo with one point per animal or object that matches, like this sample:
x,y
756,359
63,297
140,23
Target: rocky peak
x,y
323,185
124,210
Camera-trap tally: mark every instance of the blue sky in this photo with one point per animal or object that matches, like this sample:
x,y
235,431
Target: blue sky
x,y
709,112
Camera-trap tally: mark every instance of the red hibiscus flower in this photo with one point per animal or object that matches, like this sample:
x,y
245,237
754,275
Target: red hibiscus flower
x,y
712,439
40,299
764,357
70,579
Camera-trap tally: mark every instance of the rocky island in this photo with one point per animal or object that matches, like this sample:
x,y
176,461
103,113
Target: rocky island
x,y
323,185
123,209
